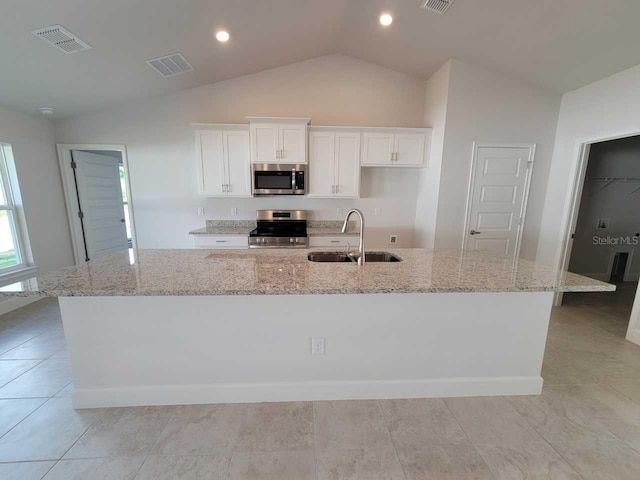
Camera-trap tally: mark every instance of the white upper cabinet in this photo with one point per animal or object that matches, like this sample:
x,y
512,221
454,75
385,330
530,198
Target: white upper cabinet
x,y
264,143
210,163
293,143
236,163
223,161
334,164
278,140
377,148
407,147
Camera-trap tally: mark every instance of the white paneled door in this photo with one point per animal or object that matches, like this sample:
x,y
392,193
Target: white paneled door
x,y
101,203
498,197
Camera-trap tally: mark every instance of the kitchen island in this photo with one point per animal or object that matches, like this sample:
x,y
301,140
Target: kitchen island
x,y
152,327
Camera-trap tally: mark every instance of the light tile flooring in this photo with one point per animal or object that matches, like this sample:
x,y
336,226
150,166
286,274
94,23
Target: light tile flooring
x,y
585,425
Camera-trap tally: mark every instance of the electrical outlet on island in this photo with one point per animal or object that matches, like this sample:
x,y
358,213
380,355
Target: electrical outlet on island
x,y
393,239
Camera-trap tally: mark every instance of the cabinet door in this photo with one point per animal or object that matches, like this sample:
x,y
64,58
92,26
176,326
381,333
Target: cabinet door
x,y
377,148
211,163
335,241
347,164
237,165
409,149
321,164
264,143
293,143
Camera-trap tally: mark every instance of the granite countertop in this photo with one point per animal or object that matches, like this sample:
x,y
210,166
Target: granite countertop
x,y
222,231
243,227
287,271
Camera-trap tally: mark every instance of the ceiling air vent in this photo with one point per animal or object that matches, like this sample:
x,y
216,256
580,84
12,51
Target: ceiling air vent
x,y
61,38
438,6
170,65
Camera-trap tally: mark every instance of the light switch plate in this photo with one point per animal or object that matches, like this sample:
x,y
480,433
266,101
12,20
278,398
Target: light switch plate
x,y
317,346
234,212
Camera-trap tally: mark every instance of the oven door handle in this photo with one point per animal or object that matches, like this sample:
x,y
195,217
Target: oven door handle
x,y
293,180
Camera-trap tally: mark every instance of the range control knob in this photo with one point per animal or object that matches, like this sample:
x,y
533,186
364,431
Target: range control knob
x,y
291,240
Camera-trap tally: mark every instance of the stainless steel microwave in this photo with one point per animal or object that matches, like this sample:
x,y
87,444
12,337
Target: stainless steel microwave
x,y
278,179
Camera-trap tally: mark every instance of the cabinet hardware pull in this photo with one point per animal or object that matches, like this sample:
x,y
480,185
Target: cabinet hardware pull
x,y
221,241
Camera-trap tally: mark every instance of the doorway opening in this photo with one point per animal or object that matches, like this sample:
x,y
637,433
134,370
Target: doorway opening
x,y
98,199
605,240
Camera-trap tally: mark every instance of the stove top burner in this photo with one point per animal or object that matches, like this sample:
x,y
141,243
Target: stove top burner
x,y
279,229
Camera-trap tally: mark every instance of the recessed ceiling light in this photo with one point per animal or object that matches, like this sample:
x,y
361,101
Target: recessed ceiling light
x,y
222,36
386,19
46,110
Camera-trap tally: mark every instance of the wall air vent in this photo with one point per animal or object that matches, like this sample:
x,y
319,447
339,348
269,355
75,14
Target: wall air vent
x,y
438,6
61,38
170,65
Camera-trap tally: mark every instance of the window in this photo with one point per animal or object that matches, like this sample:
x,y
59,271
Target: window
x,y
12,252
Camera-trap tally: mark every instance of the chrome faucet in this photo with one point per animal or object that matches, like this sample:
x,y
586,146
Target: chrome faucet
x,y
359,255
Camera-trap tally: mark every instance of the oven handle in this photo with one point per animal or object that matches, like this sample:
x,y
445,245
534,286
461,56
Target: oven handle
x,y
293,180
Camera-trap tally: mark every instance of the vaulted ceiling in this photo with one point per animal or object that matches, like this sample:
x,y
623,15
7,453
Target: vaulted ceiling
x,y
558,45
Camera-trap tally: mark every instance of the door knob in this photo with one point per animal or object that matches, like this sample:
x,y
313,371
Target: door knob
x,y
474,232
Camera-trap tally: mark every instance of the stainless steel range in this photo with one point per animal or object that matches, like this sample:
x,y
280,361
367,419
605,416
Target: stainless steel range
x,y
279,229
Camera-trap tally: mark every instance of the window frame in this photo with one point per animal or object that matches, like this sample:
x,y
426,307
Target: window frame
x,y
11,206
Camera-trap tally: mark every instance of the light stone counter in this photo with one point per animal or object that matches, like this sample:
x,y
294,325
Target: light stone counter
x,y
173,327
288,272
244,227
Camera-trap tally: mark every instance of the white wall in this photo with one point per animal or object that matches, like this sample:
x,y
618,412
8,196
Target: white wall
x,y
332,90
435,116
603,110
34,150
618,158
483,106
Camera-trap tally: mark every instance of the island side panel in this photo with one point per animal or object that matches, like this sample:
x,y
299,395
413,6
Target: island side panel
x,y
215,349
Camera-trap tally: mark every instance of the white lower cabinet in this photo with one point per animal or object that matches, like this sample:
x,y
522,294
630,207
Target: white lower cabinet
x,y
334,164
224,162
221,241
335,241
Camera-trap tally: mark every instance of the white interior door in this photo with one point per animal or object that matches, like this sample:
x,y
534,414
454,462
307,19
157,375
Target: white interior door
x,y
321,170
100,194
498,198
347,164
293,144
236,159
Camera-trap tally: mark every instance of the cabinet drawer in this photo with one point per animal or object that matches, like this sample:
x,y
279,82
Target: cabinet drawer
x,y
338,241
221,241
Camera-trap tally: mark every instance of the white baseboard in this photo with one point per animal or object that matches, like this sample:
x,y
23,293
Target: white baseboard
x,y
307,391
14,303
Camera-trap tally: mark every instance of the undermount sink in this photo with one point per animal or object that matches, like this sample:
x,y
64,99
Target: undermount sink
x,y
341,257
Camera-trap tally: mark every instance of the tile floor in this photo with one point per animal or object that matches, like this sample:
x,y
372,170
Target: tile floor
x,y
585,425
